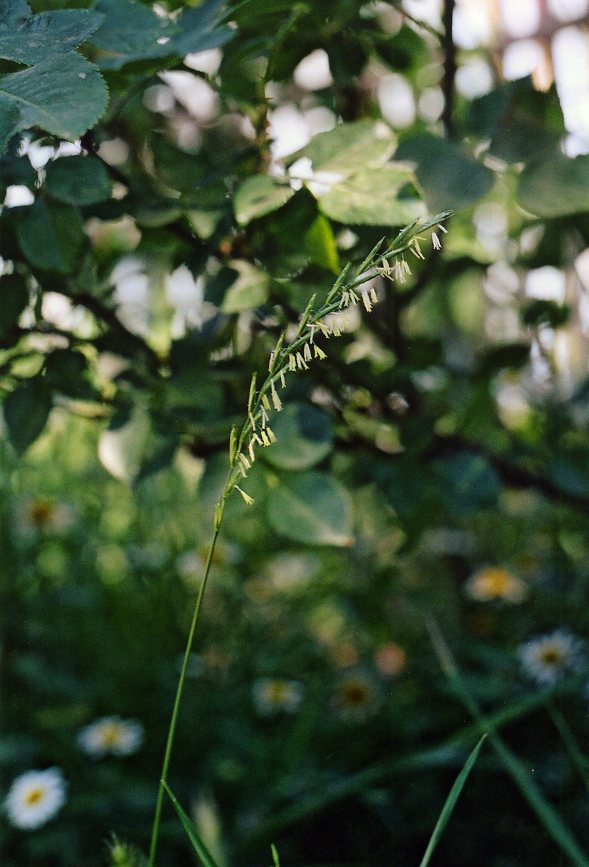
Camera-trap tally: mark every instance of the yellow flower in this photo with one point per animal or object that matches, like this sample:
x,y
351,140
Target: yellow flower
x,y
495,583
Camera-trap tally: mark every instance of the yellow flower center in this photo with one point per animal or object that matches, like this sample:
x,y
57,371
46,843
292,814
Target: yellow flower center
x,y
277,691
41,512
552,656
111,735
355,693
34,796
498,581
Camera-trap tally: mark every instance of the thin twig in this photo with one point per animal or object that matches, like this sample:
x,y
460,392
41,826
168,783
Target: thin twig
x,y
449,69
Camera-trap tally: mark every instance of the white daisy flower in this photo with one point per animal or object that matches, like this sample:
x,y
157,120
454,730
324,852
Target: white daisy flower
x,y
111,735
276,695
547,658
34,798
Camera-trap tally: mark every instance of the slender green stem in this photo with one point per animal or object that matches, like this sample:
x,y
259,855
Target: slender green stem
x,y
578,759
180,688
258,407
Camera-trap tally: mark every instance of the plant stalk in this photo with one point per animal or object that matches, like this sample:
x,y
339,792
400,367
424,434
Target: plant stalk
x,y
181,681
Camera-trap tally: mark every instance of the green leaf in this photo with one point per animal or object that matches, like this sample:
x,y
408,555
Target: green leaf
x,y
64,95
555,186
450,803
130,32
9,120
371,197
17,170
14,297
467,482
198,846
348,147
518,119
122,446
248,291
78,180
46,35
312,508
199,28
321,245
258,196
570,472
542,311
50,235
26,410
66,371
304,437
13,13
449,177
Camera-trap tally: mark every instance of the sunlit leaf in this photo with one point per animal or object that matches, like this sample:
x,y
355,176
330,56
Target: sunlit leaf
x,y
555,186
312,508
258,196
349,147
304,437
371,197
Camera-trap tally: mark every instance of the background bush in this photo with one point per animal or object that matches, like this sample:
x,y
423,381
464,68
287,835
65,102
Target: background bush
x,y
146,271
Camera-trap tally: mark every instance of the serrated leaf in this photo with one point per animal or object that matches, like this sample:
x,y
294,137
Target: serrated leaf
x,y
304,437
26,410
449,177
258,196
349,147
64,95
130,33
555,186
50,235
77,180
249,290
42,36
312,508
9,120
371,197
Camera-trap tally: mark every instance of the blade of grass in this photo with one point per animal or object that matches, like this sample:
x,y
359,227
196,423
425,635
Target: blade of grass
x,y
448,751
197,844
543,809
275,858
579,761
450,803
